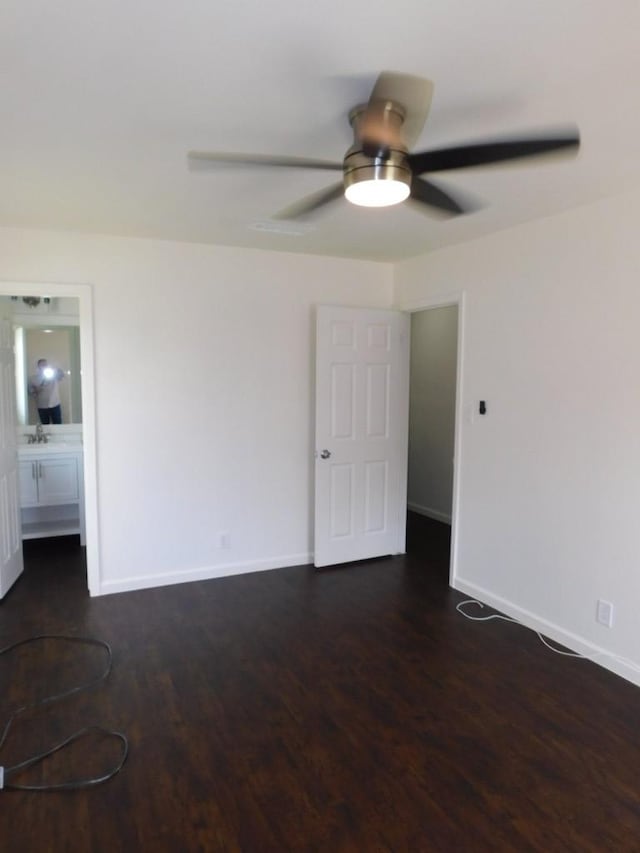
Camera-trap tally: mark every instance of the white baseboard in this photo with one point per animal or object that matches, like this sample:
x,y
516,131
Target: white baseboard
x,y
202,574
572,641
430,513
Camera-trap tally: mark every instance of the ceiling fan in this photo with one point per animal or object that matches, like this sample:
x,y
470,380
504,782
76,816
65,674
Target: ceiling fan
x,y
378,169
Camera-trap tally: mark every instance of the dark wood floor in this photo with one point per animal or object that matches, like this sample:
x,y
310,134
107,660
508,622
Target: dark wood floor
x,y
350,709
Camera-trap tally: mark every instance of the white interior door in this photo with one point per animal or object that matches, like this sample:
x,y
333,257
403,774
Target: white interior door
x,y
362,407
10,534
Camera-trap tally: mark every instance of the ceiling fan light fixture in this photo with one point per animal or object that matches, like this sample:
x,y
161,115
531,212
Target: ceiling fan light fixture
x,y
377,185
377,193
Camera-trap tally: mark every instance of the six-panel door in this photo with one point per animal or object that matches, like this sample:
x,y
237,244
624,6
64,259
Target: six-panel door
x,y
362,361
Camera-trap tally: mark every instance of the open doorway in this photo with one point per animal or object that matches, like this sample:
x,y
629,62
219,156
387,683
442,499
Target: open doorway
x,y
432,430
58,476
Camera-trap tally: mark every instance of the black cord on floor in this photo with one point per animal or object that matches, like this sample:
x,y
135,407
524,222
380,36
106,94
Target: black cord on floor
x,y
6,772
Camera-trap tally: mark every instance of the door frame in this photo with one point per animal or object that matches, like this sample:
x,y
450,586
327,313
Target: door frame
x,y
442,300
84,294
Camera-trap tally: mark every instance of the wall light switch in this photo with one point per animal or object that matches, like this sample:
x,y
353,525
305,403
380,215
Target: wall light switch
x,y
604,613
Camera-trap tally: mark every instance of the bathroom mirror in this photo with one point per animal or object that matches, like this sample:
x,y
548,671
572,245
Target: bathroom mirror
x,y
47,328
60,345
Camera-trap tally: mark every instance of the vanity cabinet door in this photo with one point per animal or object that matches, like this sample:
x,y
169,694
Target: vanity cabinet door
x,y
28,479
57,480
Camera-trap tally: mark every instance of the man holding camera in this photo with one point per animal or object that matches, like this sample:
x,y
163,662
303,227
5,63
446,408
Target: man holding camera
x,y
43,386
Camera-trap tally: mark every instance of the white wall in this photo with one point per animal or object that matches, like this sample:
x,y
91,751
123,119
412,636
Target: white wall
x,y
204,384
432,411
550,485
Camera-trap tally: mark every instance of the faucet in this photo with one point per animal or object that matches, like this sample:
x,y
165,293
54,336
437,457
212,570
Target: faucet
x,y
37,437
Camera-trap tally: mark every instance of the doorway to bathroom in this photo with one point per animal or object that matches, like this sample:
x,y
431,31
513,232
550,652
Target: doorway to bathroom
x,y
54,499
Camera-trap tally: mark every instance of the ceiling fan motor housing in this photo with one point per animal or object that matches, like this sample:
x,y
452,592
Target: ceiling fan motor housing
x,y
360,167
378,152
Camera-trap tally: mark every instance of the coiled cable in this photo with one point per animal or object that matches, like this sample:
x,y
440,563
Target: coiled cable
x,y
7,772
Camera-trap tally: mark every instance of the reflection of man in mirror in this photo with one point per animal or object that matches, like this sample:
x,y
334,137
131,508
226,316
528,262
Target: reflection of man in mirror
x,y
43,386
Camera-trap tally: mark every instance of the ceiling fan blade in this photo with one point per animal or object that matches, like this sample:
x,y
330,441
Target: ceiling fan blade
x,y
486,153
412,93
430,194
206,159
312,202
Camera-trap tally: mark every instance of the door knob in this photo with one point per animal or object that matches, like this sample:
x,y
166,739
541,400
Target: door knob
x,y
325,454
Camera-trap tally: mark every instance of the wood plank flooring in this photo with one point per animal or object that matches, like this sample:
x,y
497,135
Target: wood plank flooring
x,y
351,709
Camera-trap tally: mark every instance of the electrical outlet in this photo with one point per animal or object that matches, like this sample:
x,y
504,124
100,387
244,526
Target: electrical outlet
x,y
224,540
604,613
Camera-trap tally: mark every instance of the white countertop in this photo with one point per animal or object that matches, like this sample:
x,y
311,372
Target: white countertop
x,y
50,448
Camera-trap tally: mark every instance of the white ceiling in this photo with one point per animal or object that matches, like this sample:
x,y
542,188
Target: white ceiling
x,y
100,101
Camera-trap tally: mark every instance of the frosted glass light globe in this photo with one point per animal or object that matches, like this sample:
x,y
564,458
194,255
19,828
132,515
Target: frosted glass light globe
x,y
377,193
